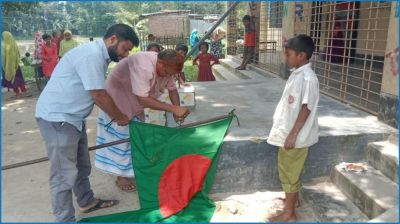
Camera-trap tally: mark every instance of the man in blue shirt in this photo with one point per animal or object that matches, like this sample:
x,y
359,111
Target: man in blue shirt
x,y
76,84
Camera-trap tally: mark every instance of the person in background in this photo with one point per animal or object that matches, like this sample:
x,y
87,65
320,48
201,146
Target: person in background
x,y
216,42
155,47
56,38
67,43
27,60
12,77
90,39
49,56
205,61
182,49
151,38
249,41
194,39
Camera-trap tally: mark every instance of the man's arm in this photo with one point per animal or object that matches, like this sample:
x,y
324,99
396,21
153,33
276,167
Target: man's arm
x,y
157,105
106,103
300,121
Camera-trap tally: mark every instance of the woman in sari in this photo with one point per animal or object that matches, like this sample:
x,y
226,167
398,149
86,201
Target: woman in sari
x,y
194,39
49,56
11,72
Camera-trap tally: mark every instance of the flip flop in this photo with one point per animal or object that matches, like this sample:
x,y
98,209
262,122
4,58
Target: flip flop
x,y
99,205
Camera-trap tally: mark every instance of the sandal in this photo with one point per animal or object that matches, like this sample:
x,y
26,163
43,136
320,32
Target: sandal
x,y
101,204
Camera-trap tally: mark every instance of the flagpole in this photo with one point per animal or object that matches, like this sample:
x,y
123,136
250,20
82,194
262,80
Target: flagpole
x,y
34,161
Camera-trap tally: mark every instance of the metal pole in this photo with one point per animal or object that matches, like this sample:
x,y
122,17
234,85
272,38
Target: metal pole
x,y
212,29
34,161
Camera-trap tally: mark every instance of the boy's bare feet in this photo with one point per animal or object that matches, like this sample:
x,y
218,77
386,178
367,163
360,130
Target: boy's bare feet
x,y
283,217
284,200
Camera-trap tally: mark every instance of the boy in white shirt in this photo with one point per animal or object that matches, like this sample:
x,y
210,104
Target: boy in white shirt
x,y
295,123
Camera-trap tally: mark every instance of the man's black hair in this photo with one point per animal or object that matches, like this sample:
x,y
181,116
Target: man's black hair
x,y
301,43
123,32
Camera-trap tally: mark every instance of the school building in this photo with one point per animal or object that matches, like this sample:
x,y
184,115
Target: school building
x,y
356,48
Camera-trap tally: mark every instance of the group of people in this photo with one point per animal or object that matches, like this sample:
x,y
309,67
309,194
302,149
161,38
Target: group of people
x,y
48,51
50,48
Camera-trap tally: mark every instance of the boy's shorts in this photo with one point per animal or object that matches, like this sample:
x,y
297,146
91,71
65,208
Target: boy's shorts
x,y
291,167
249,52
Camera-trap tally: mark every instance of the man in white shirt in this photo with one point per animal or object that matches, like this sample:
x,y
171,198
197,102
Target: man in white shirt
x,y
77,83
295,123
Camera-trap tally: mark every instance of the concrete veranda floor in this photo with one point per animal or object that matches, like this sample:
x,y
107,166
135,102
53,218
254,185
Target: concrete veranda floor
x,y
25,196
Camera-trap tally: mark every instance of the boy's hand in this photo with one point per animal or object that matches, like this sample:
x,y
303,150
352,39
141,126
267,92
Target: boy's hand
x,y
290,141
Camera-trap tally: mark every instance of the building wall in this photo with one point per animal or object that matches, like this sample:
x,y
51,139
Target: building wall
x,y
388,106
169,25
288,32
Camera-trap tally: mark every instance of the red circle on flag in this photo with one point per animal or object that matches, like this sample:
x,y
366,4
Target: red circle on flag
x,y
180,181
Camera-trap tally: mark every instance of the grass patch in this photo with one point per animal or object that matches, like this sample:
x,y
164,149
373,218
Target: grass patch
x,y
191,71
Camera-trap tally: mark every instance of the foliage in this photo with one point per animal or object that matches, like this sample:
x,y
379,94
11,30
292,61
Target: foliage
x,y
88,18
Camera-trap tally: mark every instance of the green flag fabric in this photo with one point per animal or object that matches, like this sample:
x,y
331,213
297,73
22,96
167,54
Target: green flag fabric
x,y
174,168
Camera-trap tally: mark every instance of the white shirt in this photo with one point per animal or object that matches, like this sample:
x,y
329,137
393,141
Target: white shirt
x,y
302,87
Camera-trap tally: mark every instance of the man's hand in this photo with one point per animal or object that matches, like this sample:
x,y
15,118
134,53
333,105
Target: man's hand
x,y
122,121
290,141
180,112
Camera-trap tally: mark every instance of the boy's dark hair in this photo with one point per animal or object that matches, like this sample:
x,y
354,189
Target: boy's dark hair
x,y
182,47
301,43
203,44
246,17
123,32
156,45
27,54
46,36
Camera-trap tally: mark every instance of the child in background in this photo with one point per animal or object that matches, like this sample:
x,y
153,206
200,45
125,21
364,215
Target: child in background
x,y
155,47
295,122
205,61
182,50
249,41
27,60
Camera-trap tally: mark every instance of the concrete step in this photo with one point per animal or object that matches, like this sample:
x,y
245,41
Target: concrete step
x,y
222,74
243,74
328,203
231,66
370,191
254,68
384,156
390,216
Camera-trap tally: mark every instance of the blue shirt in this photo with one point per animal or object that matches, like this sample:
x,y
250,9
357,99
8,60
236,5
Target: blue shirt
x,y
66,97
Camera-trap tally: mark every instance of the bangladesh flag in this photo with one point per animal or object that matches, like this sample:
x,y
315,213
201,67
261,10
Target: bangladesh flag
x,y
174,168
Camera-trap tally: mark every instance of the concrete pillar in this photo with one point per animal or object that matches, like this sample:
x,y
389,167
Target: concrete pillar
x,y
287,33
263,25
388,105
231,32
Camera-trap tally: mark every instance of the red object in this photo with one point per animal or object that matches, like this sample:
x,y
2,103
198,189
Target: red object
x,y
49,58
250,39
180,181
205,72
